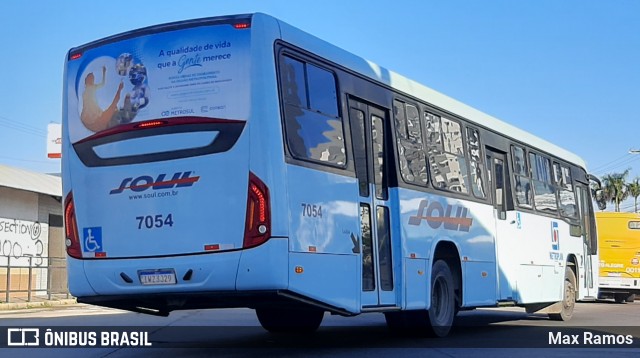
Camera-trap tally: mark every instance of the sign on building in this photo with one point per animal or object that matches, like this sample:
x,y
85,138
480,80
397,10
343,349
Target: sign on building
x,y
54,140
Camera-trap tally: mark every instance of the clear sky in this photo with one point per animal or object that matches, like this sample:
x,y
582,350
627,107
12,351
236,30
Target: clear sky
x,y
567,71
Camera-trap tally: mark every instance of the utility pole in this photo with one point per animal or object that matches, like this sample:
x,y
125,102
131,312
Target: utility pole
x,y
634,151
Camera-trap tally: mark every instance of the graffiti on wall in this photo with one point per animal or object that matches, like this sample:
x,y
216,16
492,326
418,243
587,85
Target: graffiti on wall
x,y
22,241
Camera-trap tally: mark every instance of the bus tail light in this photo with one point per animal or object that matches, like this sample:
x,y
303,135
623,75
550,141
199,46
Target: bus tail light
x,y
150,124
241,26
258,223
72,240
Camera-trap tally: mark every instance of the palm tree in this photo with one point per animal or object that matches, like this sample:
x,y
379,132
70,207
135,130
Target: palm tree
x,y
634,191
615,188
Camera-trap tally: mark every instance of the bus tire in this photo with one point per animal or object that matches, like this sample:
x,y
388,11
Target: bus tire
x,y
282,320
569,297
442,310
621,297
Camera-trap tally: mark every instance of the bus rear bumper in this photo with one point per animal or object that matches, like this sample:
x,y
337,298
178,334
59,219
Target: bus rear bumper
x,y
610,286
260,268
249,278
611,292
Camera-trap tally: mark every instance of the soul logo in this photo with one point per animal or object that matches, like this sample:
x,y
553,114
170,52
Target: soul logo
x,y
437,215
144,182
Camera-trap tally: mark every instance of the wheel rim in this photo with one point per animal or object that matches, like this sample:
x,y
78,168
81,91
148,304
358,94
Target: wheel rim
x,y
439,300
569,294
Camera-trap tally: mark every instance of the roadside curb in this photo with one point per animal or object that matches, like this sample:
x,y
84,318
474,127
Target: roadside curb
x,y
36,304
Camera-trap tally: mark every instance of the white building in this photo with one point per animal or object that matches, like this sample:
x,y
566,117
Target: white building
x,y
31,232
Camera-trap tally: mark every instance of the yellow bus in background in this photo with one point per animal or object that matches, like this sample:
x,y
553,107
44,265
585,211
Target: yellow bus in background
x,y
619,241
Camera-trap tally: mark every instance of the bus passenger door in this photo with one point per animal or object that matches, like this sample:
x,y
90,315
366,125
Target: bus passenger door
x,y
506,248
368,131
589,283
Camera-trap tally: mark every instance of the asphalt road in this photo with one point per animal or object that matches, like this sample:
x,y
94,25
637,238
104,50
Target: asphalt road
x,y
236,332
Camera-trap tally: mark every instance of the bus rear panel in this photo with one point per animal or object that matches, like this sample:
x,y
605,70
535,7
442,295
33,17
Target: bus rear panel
x,y
160,197
619,242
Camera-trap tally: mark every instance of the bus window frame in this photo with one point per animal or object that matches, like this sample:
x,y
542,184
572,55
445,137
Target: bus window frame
x,y
430,188
281,50
394,138
574,170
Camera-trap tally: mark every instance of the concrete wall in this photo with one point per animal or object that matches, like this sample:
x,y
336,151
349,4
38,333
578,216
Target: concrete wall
x,y
31,240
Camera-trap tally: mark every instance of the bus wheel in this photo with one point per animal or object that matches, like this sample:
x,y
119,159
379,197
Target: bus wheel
x,y
280,320
443,302
569,299
623,297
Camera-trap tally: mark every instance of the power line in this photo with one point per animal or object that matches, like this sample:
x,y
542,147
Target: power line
x,y
627,162
613,165
21,127
627,205
600,168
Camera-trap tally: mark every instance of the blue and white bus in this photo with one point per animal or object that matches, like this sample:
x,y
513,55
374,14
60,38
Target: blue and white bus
x,y
240,162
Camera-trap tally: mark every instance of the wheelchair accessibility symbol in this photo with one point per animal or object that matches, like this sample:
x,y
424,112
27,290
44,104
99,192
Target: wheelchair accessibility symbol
x,y
92,237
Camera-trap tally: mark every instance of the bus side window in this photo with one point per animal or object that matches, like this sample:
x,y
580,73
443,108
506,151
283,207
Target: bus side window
x,y
544,193
322,91
566,194
523,193
446,156
557,175
475,163
412,159
313,126
293,86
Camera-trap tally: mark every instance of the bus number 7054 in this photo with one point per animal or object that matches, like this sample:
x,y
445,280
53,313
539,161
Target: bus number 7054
x,y
156,221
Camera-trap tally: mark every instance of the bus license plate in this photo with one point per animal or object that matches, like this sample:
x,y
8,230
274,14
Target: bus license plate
x,y
157,277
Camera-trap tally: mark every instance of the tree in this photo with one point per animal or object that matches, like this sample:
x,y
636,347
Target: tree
x,y
614,187
634,190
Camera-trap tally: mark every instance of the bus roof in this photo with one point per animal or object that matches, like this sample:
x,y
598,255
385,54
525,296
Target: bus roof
x,y
419,91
